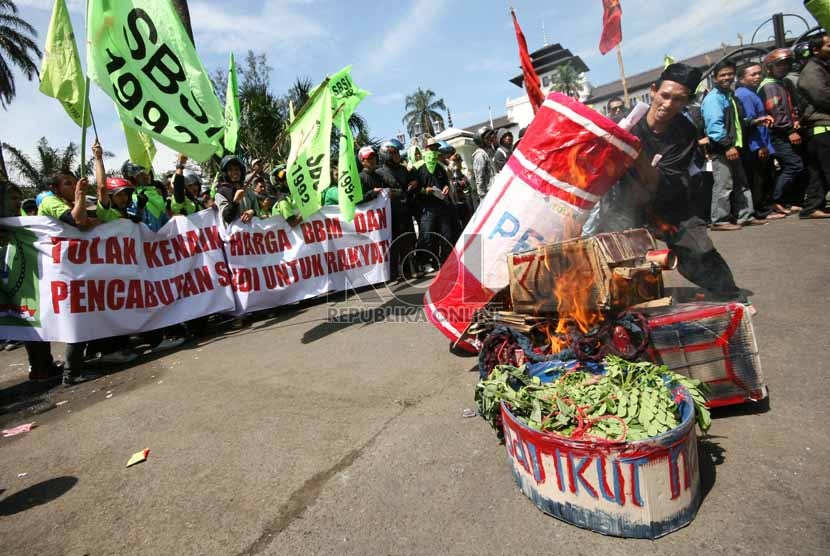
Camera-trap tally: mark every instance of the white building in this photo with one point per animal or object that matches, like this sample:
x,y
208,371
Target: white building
x,y
546,60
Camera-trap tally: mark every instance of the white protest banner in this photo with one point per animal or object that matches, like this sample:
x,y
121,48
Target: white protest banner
x,y
58,283
273,264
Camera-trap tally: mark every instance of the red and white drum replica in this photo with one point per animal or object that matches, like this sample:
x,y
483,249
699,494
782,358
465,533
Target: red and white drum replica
x,y
567,160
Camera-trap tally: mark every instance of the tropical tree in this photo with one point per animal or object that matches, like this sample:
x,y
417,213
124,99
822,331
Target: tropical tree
x,y
17,48
35,171
566,79
422,110
265,114
262,116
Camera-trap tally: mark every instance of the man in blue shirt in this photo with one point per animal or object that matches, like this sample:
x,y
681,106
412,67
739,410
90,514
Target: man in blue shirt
x,y
757,155
724,127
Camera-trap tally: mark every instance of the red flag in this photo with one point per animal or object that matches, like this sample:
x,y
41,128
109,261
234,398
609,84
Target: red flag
x,y
611,25
533,85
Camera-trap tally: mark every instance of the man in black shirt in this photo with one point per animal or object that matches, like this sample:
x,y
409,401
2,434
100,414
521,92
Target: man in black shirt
x,y
369,179
657,188
400,183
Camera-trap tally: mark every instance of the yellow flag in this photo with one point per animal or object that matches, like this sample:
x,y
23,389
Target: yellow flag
x,y
60,71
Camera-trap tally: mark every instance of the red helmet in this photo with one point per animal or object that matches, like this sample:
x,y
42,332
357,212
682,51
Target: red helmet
x,y
115,185
778,55
366,152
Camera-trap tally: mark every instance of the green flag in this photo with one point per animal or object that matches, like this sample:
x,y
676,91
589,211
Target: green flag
x,y
60,72
344,92
820,10
349,191
308,161
141,147
345,98
140,55
232,109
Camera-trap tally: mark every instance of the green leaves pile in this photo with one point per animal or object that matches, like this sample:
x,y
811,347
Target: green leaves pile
x,y
632,401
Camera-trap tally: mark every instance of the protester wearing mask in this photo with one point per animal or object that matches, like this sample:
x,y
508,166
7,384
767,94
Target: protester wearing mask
x,y
400,183
814,86
504,142
434,225
233,199
779,98
484,172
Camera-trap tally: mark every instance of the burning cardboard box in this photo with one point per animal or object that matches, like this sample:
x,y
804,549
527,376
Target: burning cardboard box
x,y
604,273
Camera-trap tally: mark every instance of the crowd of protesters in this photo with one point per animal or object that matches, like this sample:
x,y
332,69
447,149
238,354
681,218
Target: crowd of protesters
x,y
763,150
747,154
430,194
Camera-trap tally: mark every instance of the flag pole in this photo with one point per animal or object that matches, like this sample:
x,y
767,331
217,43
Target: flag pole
x,y
622,74
86,101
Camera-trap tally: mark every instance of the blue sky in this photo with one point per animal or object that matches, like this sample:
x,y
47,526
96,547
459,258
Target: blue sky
x,y
464,50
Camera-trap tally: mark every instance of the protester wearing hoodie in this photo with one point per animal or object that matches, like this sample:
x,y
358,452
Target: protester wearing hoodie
x,y
233,199
504,142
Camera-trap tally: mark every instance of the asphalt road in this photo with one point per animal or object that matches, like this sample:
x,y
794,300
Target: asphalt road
x,y
296,436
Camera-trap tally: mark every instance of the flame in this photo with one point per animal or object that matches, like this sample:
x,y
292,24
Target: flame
x,y
573,289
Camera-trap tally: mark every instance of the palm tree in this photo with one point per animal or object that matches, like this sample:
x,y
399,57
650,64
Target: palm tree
x,y
262,116
423,109
566,79
48,161
17,48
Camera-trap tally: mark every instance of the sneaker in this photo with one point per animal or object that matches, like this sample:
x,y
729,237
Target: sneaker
x,y
118,357
168,343
429,269
725,227
11,346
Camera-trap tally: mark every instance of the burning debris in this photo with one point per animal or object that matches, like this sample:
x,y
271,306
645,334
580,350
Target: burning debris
x,y
585,299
